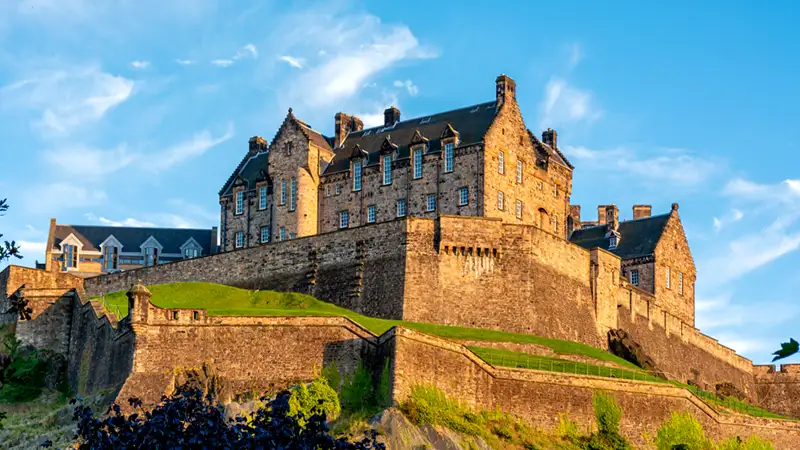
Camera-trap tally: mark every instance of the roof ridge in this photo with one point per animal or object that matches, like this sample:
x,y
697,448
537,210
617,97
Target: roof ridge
x,y
429,115
132,228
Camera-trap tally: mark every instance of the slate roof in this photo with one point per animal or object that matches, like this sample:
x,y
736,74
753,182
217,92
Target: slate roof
x,y
638,237
132,237
249,170
554,153
315,136
470,122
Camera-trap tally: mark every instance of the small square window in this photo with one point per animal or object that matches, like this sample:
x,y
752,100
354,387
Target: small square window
x,y
463,196
195,315
291,235
431,202
371,213
264,234
344,219
401,208
327,191
635,277
174,315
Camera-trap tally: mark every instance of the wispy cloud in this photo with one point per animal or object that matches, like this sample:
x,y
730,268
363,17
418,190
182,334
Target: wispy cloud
x,y
731,217
42,199
67,99
196,146
128,222
409,85
247,51
292,61
675,166
185,62
575,54
222,62
32,250
91,162
140,64
564,103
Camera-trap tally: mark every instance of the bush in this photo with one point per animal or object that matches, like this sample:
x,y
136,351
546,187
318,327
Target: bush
x,y
566,428
317,396
331,374
22,374
682,429
189,420
607,413
356,391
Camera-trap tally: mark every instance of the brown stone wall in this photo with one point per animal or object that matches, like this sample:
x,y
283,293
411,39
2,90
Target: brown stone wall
x,y
486,274
538,397
673,251
681,351
509,135
445,185
779,390
646,273
361,269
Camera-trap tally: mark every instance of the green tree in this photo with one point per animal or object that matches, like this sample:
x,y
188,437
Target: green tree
x,y
7,249
682,430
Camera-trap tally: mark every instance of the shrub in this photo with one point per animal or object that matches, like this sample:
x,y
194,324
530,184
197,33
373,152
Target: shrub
x,y
752,443
22,374
566,428
682,429
331,373
317,396
607,413
357,393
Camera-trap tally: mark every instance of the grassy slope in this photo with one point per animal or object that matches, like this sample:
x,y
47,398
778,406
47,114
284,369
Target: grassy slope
x,y
222,300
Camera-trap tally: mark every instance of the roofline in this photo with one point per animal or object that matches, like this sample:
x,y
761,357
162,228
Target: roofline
x,y
133,228
461,145
427,115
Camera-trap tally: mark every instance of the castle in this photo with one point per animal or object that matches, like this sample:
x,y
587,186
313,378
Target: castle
x,y
461,218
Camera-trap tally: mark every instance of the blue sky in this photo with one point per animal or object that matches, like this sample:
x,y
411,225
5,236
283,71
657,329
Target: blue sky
x,y
136,113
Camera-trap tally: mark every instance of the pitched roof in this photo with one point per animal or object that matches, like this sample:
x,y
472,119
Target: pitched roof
x,y
315,136
249,170
554,153
132,237
470,122
638,237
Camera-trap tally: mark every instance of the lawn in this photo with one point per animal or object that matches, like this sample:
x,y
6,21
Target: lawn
x,y
221,300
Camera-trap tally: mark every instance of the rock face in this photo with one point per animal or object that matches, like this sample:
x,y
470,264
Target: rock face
x,y
727,389
622,344
398,433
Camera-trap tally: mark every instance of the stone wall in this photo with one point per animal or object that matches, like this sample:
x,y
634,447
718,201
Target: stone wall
x,y
680,350
672,253
483,273
538,397
361,269
779,390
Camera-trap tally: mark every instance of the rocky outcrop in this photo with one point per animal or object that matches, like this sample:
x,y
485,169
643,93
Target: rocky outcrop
x,y
623,345
398,433
726,389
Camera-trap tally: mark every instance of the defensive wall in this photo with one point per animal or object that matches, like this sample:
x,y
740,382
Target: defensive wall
x,y
779,390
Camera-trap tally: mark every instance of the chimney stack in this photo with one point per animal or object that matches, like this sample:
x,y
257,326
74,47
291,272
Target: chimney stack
x,y
550,137
391,116
341,128
356,124
505,89
257,145
575,212
607,214
641,211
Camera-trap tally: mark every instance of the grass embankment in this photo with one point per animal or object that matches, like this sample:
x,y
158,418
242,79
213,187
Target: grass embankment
x,y
220,300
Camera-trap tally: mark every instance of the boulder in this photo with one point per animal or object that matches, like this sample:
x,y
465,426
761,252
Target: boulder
x,y
623,345
727,389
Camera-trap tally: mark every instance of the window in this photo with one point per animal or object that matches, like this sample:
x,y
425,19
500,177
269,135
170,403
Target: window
x,y
195,315
239,202
501,163
293,198
282,234
635,277
669,281
289,146
337,189
418,163
519,209
431,202
110,258
291,236
150,256
501,203
448,157
519,171
327,191
174,315
356,175
555,224
387,169
344,219
680,283
239,239
555,190
463,196
70,256
371,213
264,234
262,197
401,208
283,192
612,243
190,252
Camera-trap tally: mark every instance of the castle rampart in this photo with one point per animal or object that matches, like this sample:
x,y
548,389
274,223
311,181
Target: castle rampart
x,y
779,390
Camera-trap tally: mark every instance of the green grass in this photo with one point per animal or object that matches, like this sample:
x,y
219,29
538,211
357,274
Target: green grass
x,y
508,358
221,300
731,403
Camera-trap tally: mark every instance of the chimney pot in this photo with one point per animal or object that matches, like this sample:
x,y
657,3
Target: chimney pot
x,y
607,213
341,127
391,116
641,211
550,137
257,145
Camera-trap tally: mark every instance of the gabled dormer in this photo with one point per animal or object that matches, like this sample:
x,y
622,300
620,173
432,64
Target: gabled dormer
x,y
417,146
111,248
449,138
191,249
151,250
388,154
71,248
358,159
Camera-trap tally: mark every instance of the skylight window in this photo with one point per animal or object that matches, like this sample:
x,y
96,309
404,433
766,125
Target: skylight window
x,y
425,120
475,109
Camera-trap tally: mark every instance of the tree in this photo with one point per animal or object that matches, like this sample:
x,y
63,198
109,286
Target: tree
x,y
188,420
8,249
787,349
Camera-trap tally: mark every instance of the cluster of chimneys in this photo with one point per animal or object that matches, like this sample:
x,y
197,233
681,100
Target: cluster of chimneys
x,y
609,214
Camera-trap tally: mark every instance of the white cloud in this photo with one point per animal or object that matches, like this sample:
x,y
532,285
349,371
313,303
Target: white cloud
x,y
67,99
52,198
408,85
248,51
733,216
90,162
192,210
292,61
196,146
721,312
346,67
222,62
373,117
129,222
32,249
675,166
140,64
185,62
787,191
575,54
564,103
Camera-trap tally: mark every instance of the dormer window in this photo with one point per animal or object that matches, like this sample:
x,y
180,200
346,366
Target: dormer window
x,y
612,243
262,197
283,192
151,249
190,253
239,202
191,249
70,255
387,169
357,166
111,258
